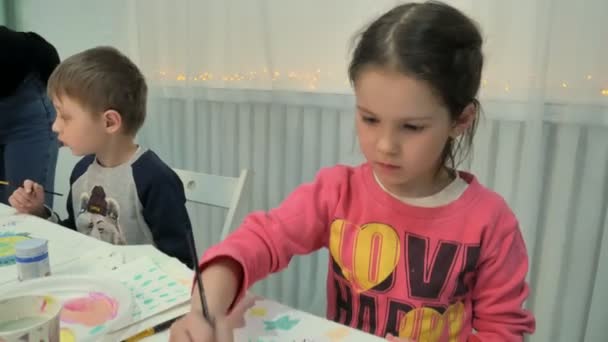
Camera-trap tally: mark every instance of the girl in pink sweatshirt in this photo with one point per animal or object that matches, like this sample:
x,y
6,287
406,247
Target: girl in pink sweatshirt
x,y
419,250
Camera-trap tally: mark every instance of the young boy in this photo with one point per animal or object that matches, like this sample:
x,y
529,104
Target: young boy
x,y
120,192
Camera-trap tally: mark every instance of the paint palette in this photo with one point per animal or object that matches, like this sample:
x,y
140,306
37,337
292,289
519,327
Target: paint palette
x,y
92,306
8,240
9,237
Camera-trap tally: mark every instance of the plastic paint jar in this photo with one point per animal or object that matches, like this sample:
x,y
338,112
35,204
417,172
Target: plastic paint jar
x,y
32,258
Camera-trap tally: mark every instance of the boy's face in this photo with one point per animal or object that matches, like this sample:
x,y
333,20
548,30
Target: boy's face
x,y
79,129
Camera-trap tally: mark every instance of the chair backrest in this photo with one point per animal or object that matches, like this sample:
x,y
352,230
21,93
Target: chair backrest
x,y
218,191
65,164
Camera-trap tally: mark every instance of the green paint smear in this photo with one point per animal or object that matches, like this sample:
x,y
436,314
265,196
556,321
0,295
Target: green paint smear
x,y
282,323
96,330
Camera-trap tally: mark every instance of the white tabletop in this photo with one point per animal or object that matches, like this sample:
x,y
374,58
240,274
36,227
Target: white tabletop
x,y
65,245
6,210
73,253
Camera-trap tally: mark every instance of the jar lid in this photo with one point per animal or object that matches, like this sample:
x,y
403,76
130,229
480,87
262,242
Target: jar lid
x,y
31,247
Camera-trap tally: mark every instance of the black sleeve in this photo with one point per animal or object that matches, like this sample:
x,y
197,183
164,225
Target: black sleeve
x,y
44,56
23,53
13,60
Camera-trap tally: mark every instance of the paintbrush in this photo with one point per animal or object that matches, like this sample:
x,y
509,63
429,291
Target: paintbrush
x,y
152,331
46,191
201,290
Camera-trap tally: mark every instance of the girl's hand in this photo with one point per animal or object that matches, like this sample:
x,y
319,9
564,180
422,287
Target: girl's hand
x,y
194,328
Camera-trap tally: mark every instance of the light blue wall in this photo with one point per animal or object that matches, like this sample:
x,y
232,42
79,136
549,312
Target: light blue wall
x,y
74,25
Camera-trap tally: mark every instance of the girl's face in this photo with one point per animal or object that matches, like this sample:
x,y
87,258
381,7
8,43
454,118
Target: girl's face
x,y
403,128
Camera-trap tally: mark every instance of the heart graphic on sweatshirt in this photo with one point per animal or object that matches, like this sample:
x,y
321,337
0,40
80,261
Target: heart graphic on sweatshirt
x,y
426,324
366,254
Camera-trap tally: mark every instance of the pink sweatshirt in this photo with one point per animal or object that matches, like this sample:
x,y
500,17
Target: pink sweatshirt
x,y
430,274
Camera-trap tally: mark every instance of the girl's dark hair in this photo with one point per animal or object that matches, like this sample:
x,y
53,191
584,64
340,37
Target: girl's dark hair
x,y
435,43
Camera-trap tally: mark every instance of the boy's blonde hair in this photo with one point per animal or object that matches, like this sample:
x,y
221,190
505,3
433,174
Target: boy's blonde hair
x,y
101,79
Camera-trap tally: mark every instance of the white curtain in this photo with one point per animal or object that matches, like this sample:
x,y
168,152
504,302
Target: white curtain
x,y
262,84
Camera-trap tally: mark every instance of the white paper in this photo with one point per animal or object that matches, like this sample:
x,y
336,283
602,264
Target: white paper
x,y
154,290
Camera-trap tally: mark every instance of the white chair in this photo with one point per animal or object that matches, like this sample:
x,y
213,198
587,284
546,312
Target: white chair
x,y
218,191
65,164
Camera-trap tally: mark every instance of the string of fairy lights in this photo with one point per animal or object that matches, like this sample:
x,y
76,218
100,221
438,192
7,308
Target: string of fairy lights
x,y
309,79
312,79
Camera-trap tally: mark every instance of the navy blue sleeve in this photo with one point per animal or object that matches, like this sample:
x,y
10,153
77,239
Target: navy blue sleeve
x,y
79,170
161,193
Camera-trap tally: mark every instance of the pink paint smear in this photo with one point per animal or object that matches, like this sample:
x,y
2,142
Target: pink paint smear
x,y
92,310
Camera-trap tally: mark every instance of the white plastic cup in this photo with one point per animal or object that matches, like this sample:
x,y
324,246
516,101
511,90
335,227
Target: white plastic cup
x,y
29,319
32,258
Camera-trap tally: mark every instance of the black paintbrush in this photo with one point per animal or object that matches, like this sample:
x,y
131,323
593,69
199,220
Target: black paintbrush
x,y
46,191
201,290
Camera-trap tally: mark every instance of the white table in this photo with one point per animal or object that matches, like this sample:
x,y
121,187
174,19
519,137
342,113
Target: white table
x,y
6,210
66,249
70,253
65,245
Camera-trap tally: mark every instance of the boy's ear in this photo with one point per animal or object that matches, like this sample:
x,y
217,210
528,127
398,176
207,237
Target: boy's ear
x,y
466,119
112,121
